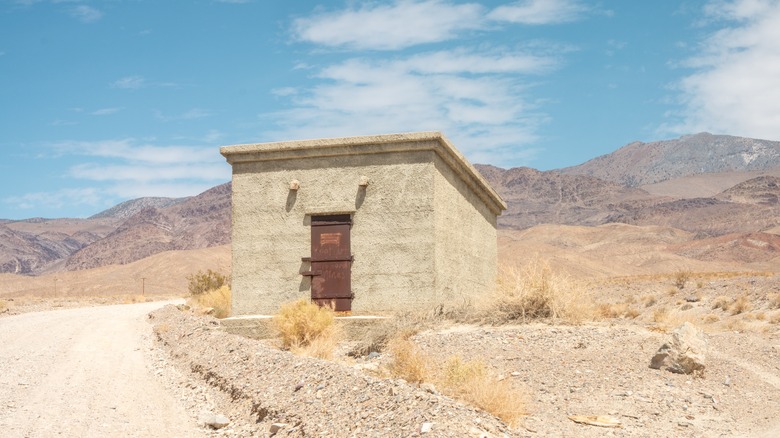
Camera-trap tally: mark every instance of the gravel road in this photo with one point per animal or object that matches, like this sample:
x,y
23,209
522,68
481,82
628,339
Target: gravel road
x,y
85,372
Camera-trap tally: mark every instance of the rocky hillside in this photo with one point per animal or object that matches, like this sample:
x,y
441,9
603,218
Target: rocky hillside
x,y
551,197
198,222
601,191
535,197
133,206
638,163
128,232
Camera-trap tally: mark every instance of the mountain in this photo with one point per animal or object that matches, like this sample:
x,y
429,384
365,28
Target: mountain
x,y
133,206
722,191
638,164
534,197
197,222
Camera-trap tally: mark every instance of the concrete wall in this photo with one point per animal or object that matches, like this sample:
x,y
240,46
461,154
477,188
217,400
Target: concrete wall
x,y
393,236
423,233
466,247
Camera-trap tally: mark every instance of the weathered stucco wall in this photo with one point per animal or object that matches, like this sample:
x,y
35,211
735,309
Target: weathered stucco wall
x,y
466,247
392,236
423,233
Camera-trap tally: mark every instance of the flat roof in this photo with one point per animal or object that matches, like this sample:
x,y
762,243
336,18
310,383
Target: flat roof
x,y
371,144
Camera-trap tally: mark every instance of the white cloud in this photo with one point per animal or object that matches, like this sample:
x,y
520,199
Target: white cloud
x,y
539,12
129,83
105,111
734,87
148,174
377,26
132,150
477,98
86,14
55,200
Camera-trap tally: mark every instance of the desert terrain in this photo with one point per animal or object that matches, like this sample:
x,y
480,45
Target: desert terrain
x,y
637,254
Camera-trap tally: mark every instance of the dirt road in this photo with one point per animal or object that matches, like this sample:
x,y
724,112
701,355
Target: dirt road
x,y
84,373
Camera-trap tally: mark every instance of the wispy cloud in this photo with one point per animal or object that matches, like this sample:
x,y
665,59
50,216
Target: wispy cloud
x,y
539,12
135,151
475,92
105,111
129,83
86,14
378,26
117,170
734,86
477,97
55,200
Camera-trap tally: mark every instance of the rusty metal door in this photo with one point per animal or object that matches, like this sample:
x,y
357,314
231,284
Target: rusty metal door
x,y
331,262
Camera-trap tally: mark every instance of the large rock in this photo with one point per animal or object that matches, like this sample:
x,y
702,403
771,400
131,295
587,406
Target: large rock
x,y
683,353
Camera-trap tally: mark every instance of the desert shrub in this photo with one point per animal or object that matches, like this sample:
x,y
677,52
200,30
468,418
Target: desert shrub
x,y
660,314
471,382
408,363
3,306
775,318
740,305
774,301
681,278
710,318
216,299
301,322
622,310
649,300
722,302
536,293
203,282
406,324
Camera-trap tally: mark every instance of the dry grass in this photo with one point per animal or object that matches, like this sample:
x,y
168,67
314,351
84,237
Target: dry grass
x,y
740,305
774,301
669,319
649,300
681,278
3,306
132,299
409,363
323,345
710,318
536,292
218,299
775,318
471,382
467,381
622,310
300,323
722,302
205,282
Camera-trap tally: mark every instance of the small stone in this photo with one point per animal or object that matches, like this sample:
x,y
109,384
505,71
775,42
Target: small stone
x,y
692,299
515,373
373,355
727,382
214,421
426,427
276,427
683,353
299,386
428,387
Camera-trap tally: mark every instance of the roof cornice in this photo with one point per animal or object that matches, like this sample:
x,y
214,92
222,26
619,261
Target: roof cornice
x,y
372,144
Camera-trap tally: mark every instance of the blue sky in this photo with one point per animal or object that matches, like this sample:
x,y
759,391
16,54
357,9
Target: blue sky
x,y
104,101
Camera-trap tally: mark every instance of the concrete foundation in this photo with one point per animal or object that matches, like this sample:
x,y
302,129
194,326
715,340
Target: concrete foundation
x,y
261,326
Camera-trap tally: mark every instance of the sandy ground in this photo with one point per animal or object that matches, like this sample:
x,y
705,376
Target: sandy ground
x,y
85,372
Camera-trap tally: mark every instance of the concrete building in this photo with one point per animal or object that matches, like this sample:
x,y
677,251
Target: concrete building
x,y
369,224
